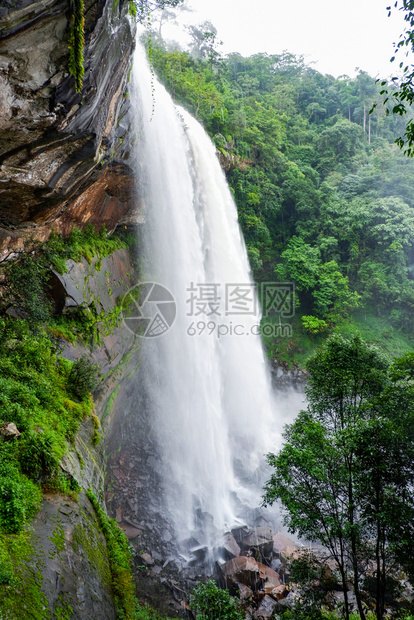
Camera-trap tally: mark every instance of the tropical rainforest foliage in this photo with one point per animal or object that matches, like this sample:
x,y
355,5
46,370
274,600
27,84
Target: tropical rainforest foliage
x,y
345,473
325,197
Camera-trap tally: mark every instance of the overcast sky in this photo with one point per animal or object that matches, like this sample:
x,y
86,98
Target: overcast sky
x,y
338,35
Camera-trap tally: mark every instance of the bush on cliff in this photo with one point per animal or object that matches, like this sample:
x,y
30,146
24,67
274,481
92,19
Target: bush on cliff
x,y
210,602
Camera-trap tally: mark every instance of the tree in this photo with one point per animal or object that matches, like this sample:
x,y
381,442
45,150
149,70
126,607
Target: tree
x,y
345,472
402,95
144,7
204,41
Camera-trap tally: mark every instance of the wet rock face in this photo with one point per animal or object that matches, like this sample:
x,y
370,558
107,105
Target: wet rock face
x,y
56,144
71,553
65,561
285,378
100,284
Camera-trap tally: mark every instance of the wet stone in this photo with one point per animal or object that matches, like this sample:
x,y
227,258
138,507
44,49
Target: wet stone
x,y
229,549
266,608
147,559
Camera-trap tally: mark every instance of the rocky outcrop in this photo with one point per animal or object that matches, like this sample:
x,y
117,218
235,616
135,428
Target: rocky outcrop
x,y
9,431
101,286
229,161
65,567
285,378
259,586
72,560
100,282
64,156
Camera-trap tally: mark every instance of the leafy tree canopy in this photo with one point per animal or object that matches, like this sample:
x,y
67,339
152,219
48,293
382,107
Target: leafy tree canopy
x,y
324,197
345,472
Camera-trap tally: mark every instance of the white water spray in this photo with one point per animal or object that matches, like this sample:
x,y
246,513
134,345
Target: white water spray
x,y
209,398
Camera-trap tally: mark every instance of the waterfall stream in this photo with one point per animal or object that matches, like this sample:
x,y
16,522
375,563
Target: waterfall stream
x,y
207,388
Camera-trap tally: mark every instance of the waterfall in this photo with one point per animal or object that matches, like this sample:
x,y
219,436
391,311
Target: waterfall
x,y
208,394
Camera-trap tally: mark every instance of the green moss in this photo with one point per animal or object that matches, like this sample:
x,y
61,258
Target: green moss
x,y
36,393
110,403
58,539
145,612
87,326
87,540
22,598
63,484
86,244
28,280
76,44
19,497
120,559
63,611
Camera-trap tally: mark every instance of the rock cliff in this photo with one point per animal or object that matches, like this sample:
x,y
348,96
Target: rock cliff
x,y
64,156
64,163
62,567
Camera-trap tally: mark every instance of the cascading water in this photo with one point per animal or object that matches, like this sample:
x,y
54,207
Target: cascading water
x,y
209,398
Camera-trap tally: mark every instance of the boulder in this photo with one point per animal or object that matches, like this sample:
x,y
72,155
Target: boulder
x,y
147,559
260,543
199,554
269,576
289,553
245,593
277,593
241,570
130,531
265,609
240,532
281,541
287,602
246,571
228,547
9,431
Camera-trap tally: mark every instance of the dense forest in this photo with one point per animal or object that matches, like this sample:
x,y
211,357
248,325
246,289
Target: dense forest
x,y
324,195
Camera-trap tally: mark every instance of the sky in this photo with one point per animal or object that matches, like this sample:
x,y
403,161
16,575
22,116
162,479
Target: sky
x,y
340,37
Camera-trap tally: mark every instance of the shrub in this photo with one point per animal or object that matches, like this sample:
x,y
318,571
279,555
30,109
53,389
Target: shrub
x,y
40,453
28,284
313,325
209,602
146,613
82,377
19,498
6,568
64,484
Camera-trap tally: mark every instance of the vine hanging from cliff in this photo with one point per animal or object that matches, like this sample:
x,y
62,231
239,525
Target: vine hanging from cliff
x,y
76,44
